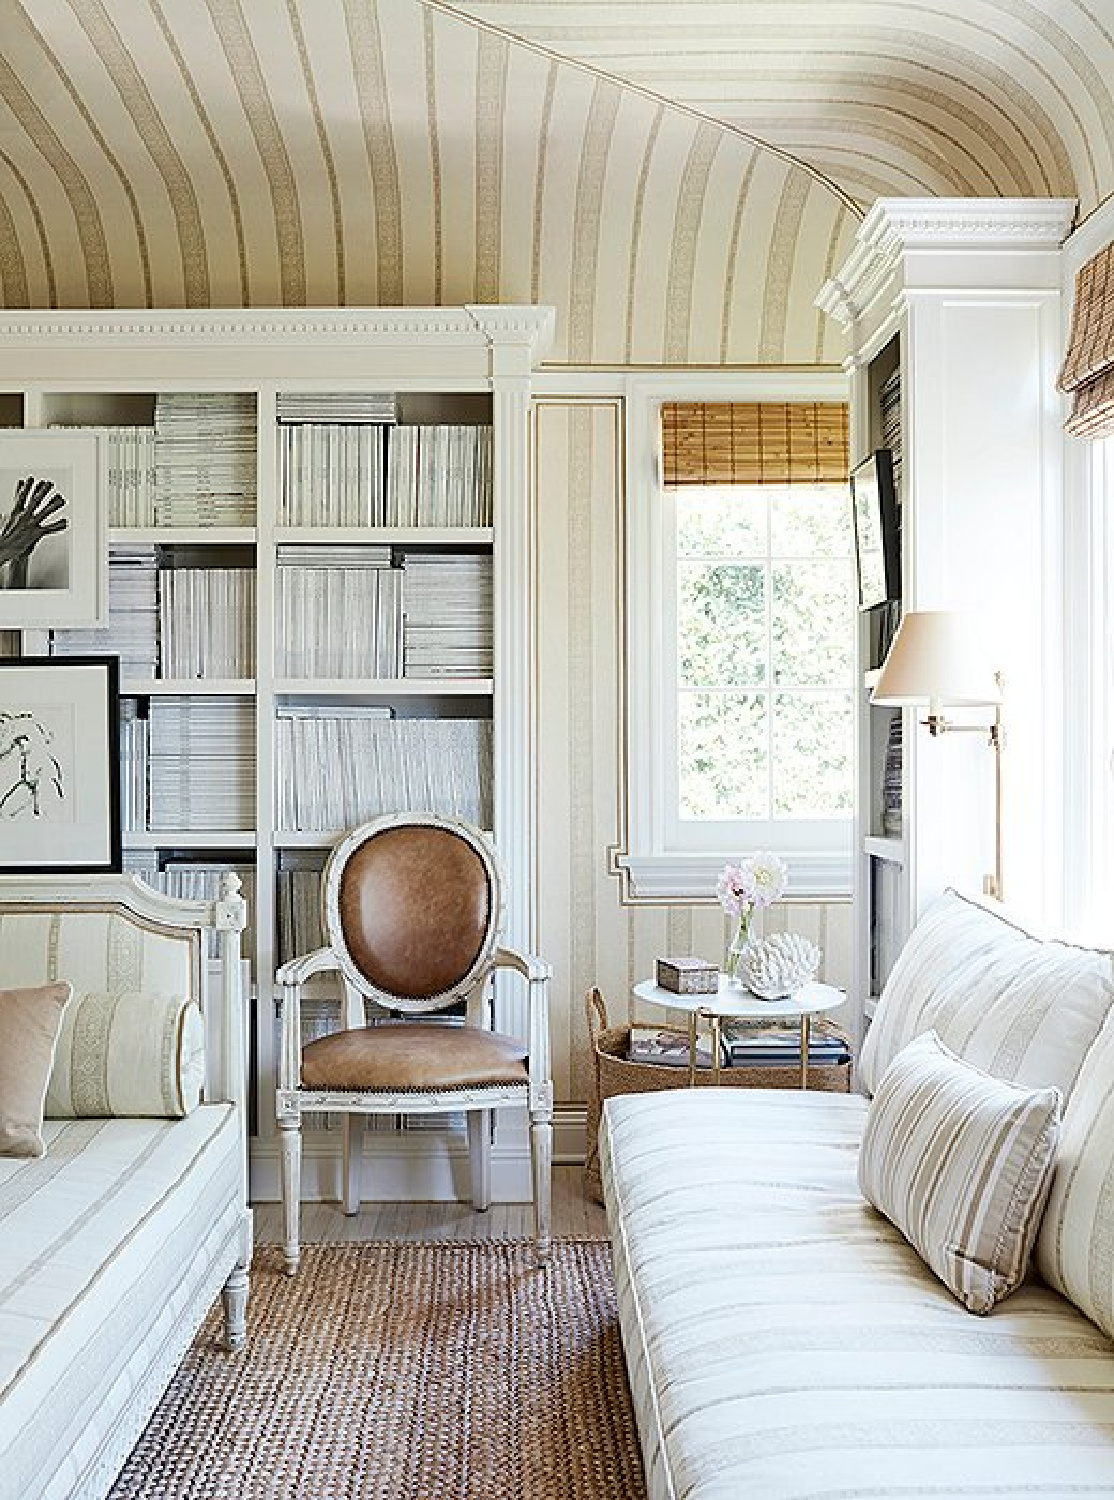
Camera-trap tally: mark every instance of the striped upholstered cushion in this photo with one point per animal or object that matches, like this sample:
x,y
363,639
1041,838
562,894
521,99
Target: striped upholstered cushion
x,y
130,1054
1022,1009
960,1162
1075,1248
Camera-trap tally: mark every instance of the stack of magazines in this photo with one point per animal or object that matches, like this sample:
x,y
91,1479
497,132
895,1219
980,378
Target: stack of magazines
x,y
745,1044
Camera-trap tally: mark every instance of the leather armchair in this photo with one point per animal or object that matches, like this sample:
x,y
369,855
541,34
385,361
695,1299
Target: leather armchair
x,y
412,911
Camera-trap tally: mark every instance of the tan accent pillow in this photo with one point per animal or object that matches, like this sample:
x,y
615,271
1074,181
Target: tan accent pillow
x,y
29,1024
961,1163
129,1054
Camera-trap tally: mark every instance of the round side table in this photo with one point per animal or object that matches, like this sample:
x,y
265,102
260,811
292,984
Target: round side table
x,y
733,1003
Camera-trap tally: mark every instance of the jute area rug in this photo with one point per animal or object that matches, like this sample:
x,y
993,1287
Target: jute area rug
x,y
438,1371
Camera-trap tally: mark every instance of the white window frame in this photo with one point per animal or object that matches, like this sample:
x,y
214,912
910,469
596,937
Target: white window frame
x,y
819,854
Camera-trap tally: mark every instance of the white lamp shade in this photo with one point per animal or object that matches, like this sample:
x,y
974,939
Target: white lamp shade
x,y
938,656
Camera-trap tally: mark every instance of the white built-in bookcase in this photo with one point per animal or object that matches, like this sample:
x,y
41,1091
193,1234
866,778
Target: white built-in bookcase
x,y
467,366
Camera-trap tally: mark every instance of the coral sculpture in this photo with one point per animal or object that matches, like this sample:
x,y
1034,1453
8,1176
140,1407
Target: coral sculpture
x,y
779,964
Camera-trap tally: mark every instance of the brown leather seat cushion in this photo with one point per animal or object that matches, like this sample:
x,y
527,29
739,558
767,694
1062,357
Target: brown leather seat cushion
x,y
412,1056
415,905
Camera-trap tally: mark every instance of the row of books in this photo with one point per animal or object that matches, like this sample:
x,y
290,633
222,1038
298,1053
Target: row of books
x,y
298,907
744,1045
207,622
449,603
339,612
355,474
171,622
380,764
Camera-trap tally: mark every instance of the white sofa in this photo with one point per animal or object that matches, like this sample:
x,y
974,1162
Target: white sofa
x,y
783,1339
114,1244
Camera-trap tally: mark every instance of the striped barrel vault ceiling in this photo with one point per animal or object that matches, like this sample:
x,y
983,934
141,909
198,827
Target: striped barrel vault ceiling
x,y
953,98
677,179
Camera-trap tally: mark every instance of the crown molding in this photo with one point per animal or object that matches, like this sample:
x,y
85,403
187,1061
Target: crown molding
x,y
896,230
476,326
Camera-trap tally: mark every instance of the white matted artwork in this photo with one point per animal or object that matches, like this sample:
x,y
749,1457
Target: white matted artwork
x,y
59,764
53,542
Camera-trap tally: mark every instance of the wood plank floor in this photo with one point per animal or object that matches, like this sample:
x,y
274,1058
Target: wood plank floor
x,y
574,1215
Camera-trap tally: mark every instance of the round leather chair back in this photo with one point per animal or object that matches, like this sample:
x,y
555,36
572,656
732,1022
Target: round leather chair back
x,y
413,909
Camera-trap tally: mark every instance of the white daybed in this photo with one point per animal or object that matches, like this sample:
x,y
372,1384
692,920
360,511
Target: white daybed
x,y
114,1244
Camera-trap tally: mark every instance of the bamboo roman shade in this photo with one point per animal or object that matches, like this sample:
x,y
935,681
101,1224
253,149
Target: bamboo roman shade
x,y
1088,372
756,442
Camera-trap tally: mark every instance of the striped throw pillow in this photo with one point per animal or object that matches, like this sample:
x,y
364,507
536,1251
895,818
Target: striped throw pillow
x,y
960,1162
1075,1248
1021,1008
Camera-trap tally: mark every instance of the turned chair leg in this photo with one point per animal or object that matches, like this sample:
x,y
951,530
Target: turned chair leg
x,y
353,1162
290,1136
541,1154
479,1157
234,1294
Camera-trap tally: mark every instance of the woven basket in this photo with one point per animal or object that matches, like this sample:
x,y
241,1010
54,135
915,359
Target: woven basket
x,y
615,1074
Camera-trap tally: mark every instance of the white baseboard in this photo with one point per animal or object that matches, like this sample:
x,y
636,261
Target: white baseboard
x,y
418,1168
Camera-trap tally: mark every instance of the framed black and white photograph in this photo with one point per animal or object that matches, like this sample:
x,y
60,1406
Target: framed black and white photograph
x,y
59,764
53,541
877,529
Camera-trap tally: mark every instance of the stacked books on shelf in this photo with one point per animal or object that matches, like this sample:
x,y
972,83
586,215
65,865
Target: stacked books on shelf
x,y
891,780
448,602
132,629
889,399
353,407
201,759
298,905
133,767
338,765
129,473
191,879
205,469
331,475
338,612
207,622
438,475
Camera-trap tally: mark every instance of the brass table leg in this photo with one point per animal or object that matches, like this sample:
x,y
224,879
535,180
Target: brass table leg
x,y
692,1048
716,1036
805,1029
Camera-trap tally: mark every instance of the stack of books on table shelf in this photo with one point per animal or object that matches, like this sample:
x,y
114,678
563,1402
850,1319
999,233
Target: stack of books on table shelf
x,y
132,629
438,475
448,603
338,612
338,765
207,622
744,1044
201,764
756,1044
205,471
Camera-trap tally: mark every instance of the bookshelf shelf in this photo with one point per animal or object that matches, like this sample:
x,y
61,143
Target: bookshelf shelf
x,y
890,849
385,687
420,536
185,687
171,536
192,838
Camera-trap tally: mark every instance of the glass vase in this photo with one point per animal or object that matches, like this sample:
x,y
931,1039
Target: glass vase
x,y
740,942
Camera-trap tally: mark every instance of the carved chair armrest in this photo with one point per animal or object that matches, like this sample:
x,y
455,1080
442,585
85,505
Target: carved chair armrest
x,y
292,976
537,974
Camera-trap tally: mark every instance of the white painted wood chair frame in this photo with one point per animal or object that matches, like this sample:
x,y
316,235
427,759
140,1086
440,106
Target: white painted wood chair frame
x,y
476,1103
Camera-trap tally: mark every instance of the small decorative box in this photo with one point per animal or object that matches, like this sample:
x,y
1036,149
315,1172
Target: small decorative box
x,y
687,976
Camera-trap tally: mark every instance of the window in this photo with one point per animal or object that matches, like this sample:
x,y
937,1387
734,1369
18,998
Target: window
x,y
741,648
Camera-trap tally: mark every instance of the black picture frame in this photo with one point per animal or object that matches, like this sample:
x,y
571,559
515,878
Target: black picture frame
x,y
60,765
877,526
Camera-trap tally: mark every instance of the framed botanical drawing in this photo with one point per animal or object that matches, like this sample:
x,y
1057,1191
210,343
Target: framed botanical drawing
x,y
53,541
59,764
